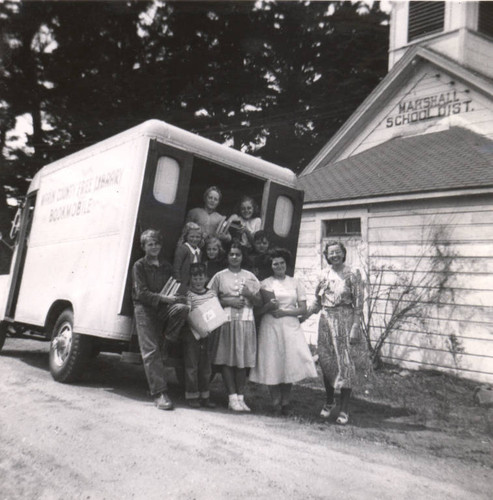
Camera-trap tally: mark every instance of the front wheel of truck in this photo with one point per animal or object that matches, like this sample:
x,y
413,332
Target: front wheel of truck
x,y
69,351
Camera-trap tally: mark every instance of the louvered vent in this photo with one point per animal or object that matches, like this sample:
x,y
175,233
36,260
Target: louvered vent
x,y
485,21
425,18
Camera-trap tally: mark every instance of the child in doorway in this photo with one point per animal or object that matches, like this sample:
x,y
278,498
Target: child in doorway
x,y
248,221
197,360
214,256
259,258
187,252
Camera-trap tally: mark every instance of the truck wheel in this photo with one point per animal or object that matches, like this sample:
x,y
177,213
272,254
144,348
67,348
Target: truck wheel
x,y
3,332
69,351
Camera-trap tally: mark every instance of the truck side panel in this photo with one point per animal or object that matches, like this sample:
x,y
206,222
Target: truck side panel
x,y
81,240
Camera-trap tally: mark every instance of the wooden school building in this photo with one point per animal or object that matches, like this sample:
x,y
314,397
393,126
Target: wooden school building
x,y
407,185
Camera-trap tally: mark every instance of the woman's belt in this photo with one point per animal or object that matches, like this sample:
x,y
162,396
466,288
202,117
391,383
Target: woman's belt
x,y
338,306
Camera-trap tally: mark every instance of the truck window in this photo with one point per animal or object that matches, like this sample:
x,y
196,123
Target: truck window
x,y
166,180
283,216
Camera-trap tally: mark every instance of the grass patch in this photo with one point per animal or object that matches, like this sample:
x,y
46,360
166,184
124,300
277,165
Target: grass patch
x,y
425,412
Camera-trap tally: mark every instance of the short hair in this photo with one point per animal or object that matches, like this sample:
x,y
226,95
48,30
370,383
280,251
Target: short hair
x,y
236,244
188,228
252,201
213,188
197,269
150,235
260,235
211,239
283,253
335,243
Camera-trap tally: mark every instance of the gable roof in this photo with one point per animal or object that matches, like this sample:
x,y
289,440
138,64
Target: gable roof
x,y
453,159
384,91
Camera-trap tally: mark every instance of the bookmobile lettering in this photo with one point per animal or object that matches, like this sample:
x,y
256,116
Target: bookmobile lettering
x,y
426,108
72,200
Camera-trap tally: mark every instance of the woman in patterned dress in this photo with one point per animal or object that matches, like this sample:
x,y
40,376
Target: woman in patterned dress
x,y
234,344
339,297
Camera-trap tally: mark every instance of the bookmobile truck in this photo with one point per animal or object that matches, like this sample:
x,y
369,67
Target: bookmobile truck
x,y
77,234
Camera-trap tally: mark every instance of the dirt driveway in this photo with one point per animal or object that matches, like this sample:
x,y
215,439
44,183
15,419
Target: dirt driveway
x,y
103,439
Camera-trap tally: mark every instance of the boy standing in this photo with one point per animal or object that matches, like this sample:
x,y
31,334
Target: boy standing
x,y
197,360
154,311
259,258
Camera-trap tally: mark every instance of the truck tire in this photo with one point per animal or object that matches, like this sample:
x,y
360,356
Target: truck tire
x,y
69,351
3,333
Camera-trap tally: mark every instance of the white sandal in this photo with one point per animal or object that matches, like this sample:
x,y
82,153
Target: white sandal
x,y
343,418
326,409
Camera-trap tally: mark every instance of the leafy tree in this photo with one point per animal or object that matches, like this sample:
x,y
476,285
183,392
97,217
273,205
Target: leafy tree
x,y
276,79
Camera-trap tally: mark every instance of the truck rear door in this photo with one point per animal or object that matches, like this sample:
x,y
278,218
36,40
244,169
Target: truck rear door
x,y
281,213
163,203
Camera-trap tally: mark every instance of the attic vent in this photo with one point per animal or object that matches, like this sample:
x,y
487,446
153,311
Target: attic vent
x,y
425,18
485,18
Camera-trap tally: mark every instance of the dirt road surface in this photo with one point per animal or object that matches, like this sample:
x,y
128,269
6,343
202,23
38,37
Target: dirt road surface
x,y
104,439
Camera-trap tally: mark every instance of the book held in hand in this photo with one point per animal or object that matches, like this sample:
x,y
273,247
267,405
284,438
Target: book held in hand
x,y
267,295
207,317
171,287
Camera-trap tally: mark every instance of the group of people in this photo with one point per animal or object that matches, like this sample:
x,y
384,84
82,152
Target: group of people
x,y
261,338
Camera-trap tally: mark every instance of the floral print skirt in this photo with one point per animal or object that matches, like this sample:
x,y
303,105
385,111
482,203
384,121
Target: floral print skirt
x,y
339,360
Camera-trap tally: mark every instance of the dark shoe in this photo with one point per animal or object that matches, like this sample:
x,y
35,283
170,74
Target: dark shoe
x,y
163,402
277,410
193,403
207,403
286,410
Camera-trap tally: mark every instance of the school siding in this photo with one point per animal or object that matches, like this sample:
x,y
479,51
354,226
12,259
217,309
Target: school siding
x,y
455,335
308,265
478,49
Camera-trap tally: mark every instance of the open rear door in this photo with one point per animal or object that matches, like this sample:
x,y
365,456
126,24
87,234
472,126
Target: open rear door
x,y
162,204
281,213
164,194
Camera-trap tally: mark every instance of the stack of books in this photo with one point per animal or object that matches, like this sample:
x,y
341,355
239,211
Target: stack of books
x,y
171,287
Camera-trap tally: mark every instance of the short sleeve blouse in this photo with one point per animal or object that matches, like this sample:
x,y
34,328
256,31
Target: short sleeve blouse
x,y
227,284
289,292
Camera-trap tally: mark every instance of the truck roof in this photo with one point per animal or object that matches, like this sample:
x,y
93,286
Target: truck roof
x,y
184,141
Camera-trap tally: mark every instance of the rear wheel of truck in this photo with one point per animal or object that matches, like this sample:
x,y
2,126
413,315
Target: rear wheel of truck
x,y
69,351
4,326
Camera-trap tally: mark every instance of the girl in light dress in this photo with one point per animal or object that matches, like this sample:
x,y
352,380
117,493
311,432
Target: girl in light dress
x,y
283,354
234,345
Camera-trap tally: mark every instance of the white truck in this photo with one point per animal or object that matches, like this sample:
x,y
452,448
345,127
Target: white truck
x,y
77,234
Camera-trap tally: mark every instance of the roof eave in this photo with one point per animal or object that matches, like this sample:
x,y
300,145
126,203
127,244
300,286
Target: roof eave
x,y
371,200
385,90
